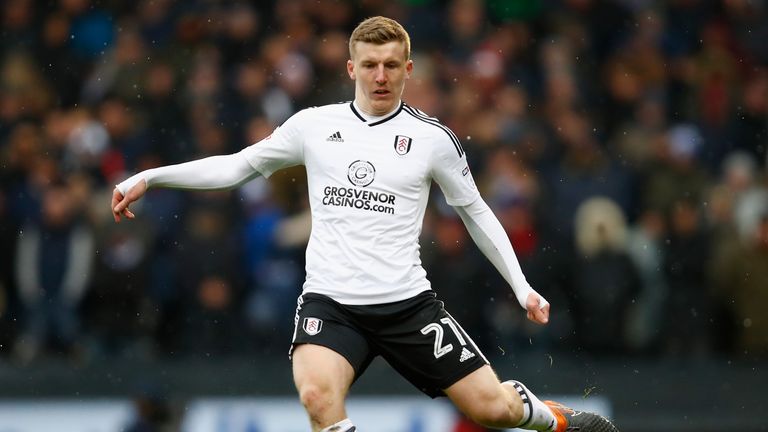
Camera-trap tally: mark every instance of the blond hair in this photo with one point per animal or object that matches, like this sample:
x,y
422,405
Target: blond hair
x,y
600,225
380,30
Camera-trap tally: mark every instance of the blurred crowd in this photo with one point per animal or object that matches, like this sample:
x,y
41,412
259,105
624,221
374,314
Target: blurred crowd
x,y
622,144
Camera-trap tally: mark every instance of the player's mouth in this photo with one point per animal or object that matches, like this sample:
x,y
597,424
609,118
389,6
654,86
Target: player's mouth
x,y
381,93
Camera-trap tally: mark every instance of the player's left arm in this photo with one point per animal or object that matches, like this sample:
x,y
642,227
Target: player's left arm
x,y
486,231
451,171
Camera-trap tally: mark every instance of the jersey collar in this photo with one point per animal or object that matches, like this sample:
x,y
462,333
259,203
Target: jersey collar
x,y
376,120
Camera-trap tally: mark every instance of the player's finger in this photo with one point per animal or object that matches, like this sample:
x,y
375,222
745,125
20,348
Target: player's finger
x,y
118,213
120,206
116,198
115,212
537,316
537,319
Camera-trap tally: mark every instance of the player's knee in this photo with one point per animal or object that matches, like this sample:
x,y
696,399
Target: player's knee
x,y
315,399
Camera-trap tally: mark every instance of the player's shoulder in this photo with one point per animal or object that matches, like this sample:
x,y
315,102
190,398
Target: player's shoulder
x,y
317,115
420,119
321,110
432,126
418,114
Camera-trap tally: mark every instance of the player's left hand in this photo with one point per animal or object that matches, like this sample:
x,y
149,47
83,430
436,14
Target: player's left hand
x,y
538,308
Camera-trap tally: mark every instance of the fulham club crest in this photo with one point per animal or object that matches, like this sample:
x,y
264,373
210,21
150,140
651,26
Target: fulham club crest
x,y
313,325
402,144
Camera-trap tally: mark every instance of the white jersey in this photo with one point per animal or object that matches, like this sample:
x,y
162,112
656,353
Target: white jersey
x,y
368,186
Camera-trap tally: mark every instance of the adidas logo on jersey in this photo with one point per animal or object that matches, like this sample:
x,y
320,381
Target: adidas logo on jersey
x,y
465,355
335,137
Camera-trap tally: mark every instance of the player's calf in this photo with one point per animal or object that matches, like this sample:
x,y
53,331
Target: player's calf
x,y
495,413
536,415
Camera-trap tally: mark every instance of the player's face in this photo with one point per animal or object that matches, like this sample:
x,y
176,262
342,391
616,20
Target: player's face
x,y
379,72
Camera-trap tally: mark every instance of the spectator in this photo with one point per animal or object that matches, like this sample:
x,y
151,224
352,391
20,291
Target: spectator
x,y
645,245
53,268
605,279
676,173
688,328
117,310
211,283
743,286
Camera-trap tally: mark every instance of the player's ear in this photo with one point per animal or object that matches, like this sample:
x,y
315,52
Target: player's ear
x,y
408,68
351,69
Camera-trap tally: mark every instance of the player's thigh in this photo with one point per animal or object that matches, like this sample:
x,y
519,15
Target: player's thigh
x,y
328,350
322,369
427,346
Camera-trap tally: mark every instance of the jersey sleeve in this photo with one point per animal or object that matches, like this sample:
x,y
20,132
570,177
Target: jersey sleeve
x,y
282,149
451,171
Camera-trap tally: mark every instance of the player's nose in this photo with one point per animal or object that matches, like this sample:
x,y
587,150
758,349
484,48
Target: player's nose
x,y
381,76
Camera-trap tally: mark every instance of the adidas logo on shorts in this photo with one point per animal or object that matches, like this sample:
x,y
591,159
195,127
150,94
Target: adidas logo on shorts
x,y
465,355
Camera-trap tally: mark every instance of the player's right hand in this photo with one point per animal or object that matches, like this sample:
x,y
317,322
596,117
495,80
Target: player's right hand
x,y
120,203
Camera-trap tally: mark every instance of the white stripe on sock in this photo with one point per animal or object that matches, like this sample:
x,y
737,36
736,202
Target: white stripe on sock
x,y
342,426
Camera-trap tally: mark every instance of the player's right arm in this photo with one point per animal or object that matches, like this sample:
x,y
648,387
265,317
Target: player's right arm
x,y
282,149
211,173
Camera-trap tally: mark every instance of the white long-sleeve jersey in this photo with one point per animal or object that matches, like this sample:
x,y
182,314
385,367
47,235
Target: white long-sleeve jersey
x,y
369,181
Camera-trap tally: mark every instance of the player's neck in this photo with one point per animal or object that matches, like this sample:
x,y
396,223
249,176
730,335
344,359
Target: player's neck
x,y
370,117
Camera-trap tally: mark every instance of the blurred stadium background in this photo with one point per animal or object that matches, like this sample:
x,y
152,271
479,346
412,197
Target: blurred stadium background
x,y
622,143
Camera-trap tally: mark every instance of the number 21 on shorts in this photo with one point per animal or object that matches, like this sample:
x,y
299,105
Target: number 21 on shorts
x,y
440,349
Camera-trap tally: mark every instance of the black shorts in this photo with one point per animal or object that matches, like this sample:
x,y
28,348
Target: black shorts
x,y
417,337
